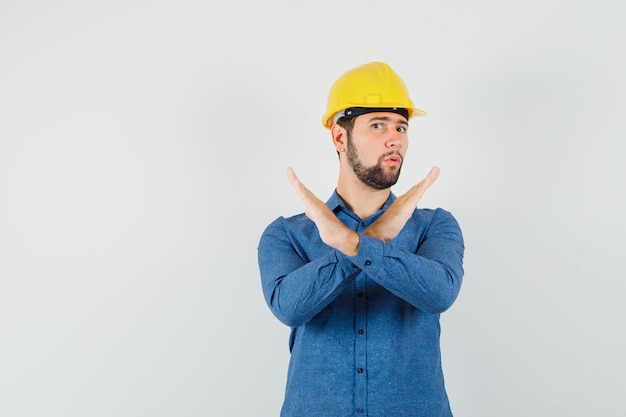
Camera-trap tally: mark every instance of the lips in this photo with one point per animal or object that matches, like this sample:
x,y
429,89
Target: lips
x,y
394,159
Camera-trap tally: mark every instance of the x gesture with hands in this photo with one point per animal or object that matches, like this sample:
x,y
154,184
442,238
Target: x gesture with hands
x,y
335,234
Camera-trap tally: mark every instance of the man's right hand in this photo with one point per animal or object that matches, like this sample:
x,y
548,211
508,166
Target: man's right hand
x,y
391,222
331,230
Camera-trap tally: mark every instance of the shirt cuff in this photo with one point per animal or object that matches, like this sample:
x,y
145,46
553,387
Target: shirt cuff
x,y
368,258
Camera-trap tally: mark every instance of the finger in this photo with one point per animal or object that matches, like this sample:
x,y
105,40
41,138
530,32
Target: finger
x,y
433,174
423,185
293,179
416,192
296,183
305,195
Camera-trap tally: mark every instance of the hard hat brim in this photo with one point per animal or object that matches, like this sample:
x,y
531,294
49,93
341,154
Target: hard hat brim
x,y
328,118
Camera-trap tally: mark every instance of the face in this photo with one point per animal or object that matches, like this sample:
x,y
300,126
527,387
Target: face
x,y
376,147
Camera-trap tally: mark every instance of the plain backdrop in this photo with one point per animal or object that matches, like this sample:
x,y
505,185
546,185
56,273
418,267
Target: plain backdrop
x,y
143,148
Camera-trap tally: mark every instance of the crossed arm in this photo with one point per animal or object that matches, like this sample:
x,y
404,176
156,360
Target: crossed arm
x,y
336,235
297,288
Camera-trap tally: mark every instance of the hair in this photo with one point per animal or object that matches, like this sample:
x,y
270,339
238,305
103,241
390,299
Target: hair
x,y
346,123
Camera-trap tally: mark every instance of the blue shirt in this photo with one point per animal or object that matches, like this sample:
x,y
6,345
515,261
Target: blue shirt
x,y
365,329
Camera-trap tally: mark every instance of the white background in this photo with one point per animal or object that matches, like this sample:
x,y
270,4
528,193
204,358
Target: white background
x,y
143,146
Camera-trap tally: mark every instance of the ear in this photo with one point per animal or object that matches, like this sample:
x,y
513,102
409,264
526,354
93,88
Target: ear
x,y
340,137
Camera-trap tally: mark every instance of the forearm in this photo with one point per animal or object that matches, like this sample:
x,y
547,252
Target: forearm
x,y
300,295
427,284
426,274
296,288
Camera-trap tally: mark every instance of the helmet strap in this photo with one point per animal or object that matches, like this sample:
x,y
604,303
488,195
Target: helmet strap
x,y
352,112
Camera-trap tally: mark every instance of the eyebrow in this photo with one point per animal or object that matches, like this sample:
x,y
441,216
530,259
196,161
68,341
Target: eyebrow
x,y
398,121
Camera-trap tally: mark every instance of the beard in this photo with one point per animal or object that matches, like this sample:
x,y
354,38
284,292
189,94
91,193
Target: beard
x,y
375,176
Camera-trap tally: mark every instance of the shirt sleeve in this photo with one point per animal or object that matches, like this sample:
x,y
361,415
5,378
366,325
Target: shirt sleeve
x,y
428,278
296,289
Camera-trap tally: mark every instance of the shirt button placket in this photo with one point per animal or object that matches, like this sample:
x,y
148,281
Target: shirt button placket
x,y
360,360
360,351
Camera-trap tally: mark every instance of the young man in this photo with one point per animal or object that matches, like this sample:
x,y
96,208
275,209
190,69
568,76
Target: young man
x,y
362,279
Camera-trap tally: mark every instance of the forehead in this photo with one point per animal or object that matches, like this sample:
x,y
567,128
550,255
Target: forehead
x,y
388,117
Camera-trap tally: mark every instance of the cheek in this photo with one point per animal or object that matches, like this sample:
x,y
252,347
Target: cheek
x,y
405,144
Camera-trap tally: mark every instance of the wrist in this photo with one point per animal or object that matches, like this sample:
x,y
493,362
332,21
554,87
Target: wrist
x,y
350,244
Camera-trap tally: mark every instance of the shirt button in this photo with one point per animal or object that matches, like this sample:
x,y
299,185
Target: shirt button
x,y
368,262
360,370
361,331
359,294
359,410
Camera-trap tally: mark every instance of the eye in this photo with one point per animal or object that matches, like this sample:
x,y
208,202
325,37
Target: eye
x,y
402,129
377,125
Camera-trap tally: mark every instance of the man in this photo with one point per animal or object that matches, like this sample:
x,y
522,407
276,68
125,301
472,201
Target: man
x,y
362,279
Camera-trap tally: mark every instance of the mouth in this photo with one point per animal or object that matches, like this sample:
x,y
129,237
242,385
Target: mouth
x,y
393,159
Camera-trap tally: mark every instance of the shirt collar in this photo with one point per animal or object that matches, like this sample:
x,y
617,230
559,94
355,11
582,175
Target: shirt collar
x,y
335,202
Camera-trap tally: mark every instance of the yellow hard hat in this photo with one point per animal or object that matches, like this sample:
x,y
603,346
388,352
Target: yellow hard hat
x,y
372,86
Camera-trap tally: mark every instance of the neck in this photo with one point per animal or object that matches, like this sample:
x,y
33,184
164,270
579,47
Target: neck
x,y
360,198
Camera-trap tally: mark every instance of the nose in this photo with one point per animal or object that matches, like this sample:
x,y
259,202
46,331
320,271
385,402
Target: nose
x,y
394,140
